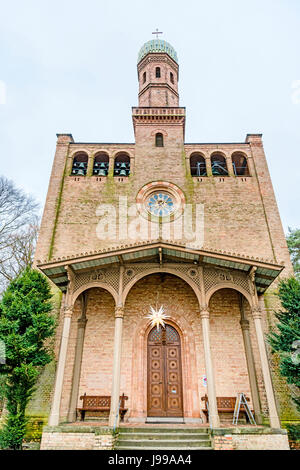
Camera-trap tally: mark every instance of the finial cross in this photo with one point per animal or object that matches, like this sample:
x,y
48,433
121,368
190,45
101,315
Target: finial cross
x,y
157,33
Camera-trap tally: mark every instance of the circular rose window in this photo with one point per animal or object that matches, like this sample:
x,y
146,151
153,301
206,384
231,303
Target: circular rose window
x,y
160,204
160,201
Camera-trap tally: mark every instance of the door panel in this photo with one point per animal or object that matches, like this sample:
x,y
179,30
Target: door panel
x,y
173,375
164,373
155,379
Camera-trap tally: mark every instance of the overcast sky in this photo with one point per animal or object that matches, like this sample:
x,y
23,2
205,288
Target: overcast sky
x,y
70,66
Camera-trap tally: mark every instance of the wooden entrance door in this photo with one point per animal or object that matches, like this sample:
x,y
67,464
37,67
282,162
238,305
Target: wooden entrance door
x,y
164,373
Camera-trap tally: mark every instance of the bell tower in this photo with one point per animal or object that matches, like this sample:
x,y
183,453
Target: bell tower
x,y
158,98
158,75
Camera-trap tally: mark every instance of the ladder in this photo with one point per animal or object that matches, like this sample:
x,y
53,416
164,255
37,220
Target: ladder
x,y
241,400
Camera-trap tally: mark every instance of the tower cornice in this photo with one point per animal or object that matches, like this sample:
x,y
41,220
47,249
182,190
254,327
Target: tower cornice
x,y
159,57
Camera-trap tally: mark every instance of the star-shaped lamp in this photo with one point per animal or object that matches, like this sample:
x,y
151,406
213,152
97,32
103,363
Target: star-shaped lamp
x,y
157,317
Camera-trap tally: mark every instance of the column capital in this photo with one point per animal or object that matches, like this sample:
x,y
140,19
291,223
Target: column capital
x,y
119,311
256,313
204,312
245,324
68,310
82,322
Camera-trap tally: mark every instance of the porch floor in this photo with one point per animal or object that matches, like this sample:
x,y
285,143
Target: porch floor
x,y
103,423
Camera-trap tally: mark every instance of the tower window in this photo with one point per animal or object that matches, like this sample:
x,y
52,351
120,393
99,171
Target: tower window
x,y
157,72
240,165
171,77
80,163
159,140
218,165
144,77
198,165
122,165
101,164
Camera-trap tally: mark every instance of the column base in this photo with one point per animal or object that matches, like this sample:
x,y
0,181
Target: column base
x,y
113,421
53,420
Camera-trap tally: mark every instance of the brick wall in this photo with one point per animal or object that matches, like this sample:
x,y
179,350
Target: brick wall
x,y
240,214
251,439
62,438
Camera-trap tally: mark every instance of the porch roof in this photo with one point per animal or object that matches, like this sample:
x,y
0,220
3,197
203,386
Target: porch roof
x,y
160,252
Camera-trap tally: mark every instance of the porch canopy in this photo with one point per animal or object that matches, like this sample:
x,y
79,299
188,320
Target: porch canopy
x,y
160,252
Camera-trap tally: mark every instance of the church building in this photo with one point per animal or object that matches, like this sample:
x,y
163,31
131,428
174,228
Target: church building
x,y
166,255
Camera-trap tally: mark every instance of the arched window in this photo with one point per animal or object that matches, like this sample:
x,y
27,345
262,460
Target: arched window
x,y
157,72
122,165
197,164
144,77
171,77
240,164
159,140
101,164
218,165
80,163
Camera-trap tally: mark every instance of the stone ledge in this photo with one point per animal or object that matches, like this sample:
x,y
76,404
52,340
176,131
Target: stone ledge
x,y
79,429
60,438
250,430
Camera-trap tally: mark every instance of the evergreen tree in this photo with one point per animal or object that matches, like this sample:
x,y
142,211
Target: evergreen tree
x,y
293,242
286,339
26,323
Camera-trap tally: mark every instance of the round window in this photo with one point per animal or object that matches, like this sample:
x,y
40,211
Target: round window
x,y
160,204
160,201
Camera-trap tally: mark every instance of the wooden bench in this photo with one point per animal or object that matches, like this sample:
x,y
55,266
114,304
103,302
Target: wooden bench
x,y
224,405
100,403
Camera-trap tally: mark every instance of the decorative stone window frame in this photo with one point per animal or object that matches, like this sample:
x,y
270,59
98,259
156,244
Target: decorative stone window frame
x,y
165,187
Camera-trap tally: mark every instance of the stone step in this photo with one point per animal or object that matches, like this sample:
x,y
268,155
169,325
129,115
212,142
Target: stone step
x,y
162,443
127,430
151,438
162,420
162,435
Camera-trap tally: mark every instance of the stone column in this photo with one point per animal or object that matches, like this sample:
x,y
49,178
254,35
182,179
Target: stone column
x,y
78,359
115,393
211,389
251,369
273,415
229,165
208,166
54,414
111,165
90,166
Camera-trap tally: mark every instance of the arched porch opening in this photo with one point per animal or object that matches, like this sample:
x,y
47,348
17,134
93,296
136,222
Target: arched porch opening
x,y
234,347
182,308
90,348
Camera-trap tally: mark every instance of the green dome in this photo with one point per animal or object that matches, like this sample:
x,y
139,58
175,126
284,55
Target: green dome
x,y
157,45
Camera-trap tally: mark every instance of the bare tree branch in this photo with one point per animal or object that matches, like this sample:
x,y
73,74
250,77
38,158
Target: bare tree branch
x,y
18,231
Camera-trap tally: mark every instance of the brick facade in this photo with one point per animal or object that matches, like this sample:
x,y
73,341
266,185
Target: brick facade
x,y
240,217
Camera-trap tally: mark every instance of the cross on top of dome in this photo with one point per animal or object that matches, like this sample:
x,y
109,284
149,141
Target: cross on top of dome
x,y
157,33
